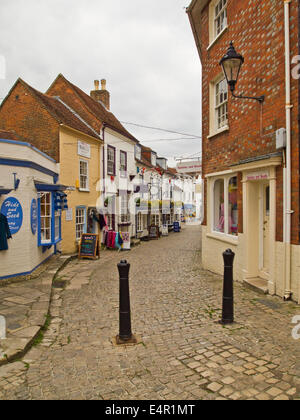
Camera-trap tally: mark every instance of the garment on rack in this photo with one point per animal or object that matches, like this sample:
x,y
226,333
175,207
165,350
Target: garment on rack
x,y
111,239
4,233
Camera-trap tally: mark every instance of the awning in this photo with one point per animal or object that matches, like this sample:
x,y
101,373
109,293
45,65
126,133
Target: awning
x,y
49,187
4,191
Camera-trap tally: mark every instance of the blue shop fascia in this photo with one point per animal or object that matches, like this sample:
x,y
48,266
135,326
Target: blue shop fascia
x,y
31,206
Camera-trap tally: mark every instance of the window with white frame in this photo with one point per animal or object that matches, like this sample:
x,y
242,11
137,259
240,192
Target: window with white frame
x,y
46,217
124,216
225,206
138,152
123,163
153,159
84,175
221,104
220,16
111,160
80,222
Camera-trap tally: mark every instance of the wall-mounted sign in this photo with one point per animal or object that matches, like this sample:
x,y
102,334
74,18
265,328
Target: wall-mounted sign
x,y
69,215
84,149
33,216
189,167
258,176
12,209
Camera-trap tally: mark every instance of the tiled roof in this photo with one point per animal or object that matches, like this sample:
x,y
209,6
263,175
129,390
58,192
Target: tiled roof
x,y
97,109
60,112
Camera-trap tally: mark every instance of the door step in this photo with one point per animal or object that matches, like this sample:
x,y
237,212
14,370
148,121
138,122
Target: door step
x,y
258,285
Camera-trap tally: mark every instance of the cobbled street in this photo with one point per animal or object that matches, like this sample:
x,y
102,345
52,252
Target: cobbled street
x,y
184,353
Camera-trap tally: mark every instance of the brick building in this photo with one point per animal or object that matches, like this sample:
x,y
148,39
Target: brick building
x,y
251,181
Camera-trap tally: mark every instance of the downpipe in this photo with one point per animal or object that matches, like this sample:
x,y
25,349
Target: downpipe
x,y
287,170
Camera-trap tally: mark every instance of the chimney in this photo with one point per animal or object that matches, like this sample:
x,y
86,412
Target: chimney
x,y
102,95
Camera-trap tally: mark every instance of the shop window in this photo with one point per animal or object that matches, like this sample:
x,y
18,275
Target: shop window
x,y
225,206
46,217
139,222
154,219
219,206
49,218
84,175
232,206
80,222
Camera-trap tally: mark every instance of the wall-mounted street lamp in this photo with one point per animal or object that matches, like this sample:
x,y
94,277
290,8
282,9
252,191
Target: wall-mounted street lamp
x,y
231,64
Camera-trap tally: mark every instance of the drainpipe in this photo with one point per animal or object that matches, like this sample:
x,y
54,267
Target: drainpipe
x,y
287,171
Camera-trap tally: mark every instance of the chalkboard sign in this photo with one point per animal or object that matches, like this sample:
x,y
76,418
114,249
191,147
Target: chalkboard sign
x,y
89,246
153,232
176,227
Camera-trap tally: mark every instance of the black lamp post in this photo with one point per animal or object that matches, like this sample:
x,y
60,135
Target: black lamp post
x,y
231,64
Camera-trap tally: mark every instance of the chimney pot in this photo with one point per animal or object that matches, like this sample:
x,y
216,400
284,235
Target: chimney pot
x,y
96,83
103,84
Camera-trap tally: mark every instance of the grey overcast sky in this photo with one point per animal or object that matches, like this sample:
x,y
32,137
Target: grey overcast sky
x,y
143,48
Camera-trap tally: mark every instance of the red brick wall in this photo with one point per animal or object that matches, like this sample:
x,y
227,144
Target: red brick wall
x,y
25,115
257,29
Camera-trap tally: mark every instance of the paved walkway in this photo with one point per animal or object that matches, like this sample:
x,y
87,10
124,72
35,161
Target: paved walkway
x,y
183,354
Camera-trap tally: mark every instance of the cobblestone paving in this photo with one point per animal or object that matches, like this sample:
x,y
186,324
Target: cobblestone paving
x,y
184,353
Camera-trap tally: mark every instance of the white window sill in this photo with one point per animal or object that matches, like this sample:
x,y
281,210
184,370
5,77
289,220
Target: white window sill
x,y
221,130
216,39
223,237
83,190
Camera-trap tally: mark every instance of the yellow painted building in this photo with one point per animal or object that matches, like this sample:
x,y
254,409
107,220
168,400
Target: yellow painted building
x,y
80,157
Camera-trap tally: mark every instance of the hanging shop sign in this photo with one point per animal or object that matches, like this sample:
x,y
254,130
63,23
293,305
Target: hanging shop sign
x,y
33,216
12,209
84,149
89,246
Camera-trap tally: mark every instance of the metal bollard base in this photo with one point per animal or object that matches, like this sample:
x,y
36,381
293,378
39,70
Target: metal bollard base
x,y
131,341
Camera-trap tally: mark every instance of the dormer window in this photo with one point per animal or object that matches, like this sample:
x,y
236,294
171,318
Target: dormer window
x,y
153,159
138,152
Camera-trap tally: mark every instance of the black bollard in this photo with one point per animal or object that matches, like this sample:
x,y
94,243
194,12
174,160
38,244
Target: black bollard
x,y
227,310
125,334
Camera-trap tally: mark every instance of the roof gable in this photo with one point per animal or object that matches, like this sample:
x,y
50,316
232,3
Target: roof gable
x,y
99,112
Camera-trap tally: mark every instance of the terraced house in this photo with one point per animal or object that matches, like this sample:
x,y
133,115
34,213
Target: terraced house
x,y
250,116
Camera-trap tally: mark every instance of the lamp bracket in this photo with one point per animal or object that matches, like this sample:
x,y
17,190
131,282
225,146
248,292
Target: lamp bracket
x,y
256,98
